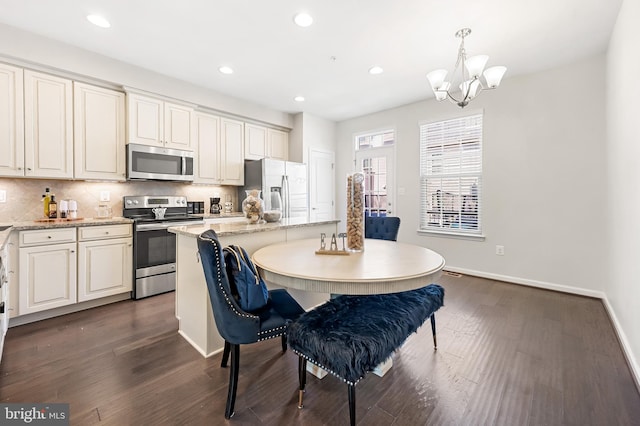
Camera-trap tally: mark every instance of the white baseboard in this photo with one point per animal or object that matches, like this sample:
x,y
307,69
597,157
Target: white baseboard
x,y
622,337
528,282
626,347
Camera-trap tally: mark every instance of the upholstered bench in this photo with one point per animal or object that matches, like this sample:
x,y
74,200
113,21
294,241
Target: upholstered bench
x,y
350,335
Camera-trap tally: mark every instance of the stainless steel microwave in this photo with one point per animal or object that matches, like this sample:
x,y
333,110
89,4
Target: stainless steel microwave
x,y
156,163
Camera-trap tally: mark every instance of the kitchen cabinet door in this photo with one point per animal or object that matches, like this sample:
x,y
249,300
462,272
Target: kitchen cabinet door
x,y
104,268
48,122
277,144
155,122
99,133
146,120
232,152
11,121
206,136
177,126
47,277
255,142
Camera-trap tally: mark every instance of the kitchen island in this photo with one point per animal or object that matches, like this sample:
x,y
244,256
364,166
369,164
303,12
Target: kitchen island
x,y
193,306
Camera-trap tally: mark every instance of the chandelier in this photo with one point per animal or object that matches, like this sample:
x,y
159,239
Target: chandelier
x,y
470,84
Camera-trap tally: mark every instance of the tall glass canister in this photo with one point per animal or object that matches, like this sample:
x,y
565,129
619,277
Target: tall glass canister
x,y
355,212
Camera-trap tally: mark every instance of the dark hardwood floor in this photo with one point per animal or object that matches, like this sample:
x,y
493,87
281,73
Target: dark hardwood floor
x,y
508,355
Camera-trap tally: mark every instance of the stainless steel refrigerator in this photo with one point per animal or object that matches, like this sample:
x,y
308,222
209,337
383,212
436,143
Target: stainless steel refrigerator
x,y
286,177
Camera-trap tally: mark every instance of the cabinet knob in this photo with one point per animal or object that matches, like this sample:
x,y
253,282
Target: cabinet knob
x,y
72,251
29,168
107,232
49,236
19,168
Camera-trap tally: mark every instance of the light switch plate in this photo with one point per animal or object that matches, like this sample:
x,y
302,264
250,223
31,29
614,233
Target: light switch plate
x,y
3,196
105,196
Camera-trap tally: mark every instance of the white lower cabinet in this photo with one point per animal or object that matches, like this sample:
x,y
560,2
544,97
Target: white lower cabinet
x,y
104,268
47,277
55,270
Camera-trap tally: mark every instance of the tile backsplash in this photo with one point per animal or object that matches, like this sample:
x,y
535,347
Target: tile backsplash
x,y
24,196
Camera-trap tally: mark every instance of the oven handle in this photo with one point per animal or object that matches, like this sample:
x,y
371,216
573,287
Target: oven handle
x,y
159,226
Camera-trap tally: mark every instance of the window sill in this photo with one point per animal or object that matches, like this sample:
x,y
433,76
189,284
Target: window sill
x,y
456,235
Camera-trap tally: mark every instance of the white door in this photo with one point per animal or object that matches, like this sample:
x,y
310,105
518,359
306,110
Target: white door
x,y
377,164
321,184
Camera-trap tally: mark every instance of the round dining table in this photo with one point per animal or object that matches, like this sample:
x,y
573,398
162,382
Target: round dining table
x,y
382,267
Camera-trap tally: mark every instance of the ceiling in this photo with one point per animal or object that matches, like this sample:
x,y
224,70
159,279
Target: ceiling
x,y
274,60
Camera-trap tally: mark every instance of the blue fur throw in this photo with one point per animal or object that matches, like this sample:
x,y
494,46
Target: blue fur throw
x,y
350,335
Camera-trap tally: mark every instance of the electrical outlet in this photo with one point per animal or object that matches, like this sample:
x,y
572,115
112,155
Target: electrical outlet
x,y
105,196
3,196
500,250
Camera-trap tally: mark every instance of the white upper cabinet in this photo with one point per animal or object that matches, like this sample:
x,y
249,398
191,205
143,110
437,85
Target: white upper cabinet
x,y
48,126
263,142
232,151
277,144
206,137
99,128
11,121
158,123
255,142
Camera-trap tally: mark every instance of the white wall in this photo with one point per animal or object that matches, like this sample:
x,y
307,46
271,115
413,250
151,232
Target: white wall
x,y
544,177
31,48
309,132
623,152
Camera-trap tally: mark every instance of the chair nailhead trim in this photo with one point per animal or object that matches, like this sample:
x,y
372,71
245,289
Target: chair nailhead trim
x,y
279,331
333,373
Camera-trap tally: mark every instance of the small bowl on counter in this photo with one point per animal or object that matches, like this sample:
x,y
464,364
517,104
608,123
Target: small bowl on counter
x,y
272,215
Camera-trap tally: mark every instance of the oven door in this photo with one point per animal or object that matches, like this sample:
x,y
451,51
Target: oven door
x,y
155,163
155,250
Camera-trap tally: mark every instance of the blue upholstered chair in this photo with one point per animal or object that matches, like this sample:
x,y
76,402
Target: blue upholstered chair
x,y
382,228
236,326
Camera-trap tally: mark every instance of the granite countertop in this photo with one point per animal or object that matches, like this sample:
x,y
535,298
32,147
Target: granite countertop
x,y
221,215
62,223
243,227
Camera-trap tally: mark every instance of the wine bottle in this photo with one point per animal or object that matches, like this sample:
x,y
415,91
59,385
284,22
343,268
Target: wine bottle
x,y
53,208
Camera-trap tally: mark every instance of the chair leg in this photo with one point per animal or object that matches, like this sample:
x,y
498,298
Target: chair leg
x,y
225,354
233,381
302,377
284,342
433,331
352,404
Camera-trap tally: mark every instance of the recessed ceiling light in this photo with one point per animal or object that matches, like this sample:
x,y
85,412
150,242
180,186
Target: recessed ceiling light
x,y
225,70
375,70
303,19
299,99
99,21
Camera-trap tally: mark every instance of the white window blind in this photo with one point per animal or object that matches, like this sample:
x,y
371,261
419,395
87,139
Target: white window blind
x,y
451,175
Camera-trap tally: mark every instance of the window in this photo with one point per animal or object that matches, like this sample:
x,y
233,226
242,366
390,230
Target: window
x,y
374,157
451,175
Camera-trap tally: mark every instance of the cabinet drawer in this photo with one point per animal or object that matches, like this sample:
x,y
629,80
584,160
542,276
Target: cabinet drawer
x,y
102,232
47,236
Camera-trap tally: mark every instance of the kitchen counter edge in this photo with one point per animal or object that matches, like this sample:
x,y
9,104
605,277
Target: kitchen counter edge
x,y
33,225
236,228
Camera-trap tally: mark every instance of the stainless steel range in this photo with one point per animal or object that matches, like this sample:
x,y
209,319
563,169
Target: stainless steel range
x,y
154,247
